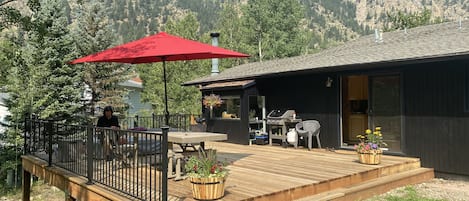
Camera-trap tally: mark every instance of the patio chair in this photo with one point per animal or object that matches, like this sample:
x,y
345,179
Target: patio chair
x,y
125,154
125,151
308,129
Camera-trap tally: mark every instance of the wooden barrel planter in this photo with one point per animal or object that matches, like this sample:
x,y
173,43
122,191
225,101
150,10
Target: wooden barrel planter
x,y
208,188
372,157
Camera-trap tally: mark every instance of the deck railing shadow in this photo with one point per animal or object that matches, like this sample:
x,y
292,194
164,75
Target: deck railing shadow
x,y
126,161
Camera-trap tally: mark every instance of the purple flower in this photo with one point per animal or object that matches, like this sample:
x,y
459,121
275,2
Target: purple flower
x,y
374,146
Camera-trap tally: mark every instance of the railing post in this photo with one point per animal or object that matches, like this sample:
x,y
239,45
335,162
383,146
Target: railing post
x,y
164,163
50,133
89,154
153,120
27,130
136,121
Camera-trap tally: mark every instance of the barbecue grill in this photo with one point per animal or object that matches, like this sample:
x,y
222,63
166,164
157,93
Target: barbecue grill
x,y
280,119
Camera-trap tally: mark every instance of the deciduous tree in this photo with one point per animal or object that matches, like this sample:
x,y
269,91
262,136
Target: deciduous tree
x,y
274,28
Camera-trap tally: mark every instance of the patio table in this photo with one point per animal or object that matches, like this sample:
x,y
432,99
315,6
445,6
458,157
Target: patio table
x,y
179,137
187,138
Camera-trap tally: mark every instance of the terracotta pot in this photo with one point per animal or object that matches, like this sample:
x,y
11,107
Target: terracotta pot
x,y
372,157
208,188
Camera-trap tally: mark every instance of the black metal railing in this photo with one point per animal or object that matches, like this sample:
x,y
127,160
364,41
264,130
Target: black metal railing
x,y
128,161
180,122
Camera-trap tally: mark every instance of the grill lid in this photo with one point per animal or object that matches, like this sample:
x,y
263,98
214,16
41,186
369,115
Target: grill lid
x,y
281,114
276,113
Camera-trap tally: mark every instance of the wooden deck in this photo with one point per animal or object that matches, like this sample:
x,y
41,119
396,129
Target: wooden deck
x,y
262,172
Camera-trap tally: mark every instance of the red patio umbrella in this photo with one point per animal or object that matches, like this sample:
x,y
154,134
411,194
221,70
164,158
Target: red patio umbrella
x,y
160,47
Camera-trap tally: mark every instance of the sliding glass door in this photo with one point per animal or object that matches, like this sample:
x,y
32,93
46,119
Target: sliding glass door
x,y
385,108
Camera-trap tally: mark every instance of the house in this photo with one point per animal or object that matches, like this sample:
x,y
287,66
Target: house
x,y
413,83
4,112
134,99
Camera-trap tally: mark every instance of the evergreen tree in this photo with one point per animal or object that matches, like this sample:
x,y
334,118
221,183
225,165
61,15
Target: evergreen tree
x,y
402,20
92,34
19,87
39,80
49,49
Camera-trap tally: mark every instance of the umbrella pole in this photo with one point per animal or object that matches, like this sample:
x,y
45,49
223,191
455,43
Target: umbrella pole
x,y
166,112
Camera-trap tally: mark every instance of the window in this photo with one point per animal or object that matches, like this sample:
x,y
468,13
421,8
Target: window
x,y
229,109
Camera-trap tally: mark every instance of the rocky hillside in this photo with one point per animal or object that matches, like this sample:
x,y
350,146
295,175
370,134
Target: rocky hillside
x,y
329,21
342,20
373,12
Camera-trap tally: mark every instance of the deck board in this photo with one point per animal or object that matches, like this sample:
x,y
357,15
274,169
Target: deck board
x,y
263,172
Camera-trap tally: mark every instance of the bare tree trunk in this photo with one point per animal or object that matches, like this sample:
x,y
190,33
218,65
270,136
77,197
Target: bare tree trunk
x,y
259,45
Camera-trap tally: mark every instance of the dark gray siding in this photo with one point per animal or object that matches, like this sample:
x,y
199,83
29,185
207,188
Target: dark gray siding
x,y
436,125
435,119
237,129
231,127
310,98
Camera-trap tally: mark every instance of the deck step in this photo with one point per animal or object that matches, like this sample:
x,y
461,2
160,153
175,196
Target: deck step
x,y
375,186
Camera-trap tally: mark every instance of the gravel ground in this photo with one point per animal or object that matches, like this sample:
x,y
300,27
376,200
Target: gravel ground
x,y
438,188
441,189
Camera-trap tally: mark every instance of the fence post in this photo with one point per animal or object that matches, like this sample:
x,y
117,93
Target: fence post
x,y
164,163
90,154
50,133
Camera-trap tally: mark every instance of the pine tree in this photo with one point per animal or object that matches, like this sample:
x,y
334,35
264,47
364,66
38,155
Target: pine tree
x,y
92,34
402,20
40,81
49,49
19,87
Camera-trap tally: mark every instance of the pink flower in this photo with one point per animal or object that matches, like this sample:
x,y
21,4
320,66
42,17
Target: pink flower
x,y
367,147
212,169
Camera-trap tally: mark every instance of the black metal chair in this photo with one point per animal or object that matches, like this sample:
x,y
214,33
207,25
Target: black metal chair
x,y
308,129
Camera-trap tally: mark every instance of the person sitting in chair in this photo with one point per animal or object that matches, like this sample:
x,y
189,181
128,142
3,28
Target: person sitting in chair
x,y
108,120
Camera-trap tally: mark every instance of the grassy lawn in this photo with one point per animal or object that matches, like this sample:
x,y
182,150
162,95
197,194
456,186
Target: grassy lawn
x,y
39,192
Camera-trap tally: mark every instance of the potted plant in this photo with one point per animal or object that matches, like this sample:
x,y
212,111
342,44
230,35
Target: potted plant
x,y
207,175
212,101
369,149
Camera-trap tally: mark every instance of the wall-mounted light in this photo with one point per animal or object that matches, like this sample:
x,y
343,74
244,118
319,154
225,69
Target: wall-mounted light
x,y
329,82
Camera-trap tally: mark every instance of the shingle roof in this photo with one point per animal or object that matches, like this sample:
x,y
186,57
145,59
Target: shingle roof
x,y
432,41
233,84
131,84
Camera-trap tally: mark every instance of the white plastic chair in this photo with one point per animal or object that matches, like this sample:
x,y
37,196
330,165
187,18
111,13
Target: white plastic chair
x,y
308,129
